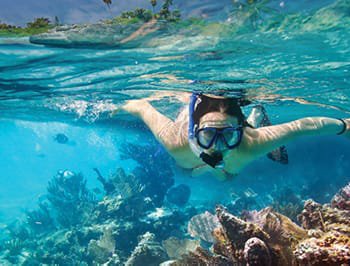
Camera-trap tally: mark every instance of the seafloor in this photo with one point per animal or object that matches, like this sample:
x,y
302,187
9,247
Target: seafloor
x,y
142,219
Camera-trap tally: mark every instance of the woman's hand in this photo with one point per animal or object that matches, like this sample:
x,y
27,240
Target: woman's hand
x,y
135,106
131,106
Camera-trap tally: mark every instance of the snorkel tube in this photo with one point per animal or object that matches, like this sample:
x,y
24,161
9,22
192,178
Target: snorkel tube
x,y
215,160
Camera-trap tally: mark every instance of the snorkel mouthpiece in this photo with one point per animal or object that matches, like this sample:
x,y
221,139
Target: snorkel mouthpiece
x,y
215,160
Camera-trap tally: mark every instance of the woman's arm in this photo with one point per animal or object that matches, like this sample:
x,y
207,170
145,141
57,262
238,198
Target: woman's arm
x,y
265,139
164,129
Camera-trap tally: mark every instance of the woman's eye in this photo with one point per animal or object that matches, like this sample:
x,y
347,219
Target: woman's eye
x,y
207,134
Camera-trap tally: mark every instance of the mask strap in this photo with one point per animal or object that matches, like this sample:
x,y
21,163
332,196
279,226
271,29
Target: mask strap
x,y
192,106
212,160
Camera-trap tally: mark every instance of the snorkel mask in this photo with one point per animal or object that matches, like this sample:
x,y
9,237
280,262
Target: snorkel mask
x,y
200,140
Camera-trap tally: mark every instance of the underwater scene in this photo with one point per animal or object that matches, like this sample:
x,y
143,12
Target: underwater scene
x,y
96,168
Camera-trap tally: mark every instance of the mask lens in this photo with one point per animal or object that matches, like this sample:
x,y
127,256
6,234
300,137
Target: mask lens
x,y
205,137
231,136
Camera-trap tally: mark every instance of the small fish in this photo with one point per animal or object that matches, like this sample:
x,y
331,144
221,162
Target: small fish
x,y
61,138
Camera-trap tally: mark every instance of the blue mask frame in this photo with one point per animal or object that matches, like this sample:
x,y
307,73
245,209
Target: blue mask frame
x,y
219,133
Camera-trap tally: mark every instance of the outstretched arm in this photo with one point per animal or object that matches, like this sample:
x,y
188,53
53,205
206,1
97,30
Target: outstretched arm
x,y
164,129
265,139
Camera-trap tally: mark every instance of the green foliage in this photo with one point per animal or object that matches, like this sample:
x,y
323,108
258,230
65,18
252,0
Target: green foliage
x,y
139,14
176,14
39,23
153,3
123,20
144,15
4,26
165,13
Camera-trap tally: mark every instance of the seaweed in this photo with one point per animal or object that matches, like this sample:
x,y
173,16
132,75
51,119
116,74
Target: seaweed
x,y
40,220
126,186
14,248
156,177
68,191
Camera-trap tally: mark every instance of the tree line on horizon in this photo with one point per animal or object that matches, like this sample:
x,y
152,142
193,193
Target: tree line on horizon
x,y
36,23
139,13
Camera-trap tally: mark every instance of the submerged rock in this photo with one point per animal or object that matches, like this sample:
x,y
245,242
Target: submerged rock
x,y
256,252
179,195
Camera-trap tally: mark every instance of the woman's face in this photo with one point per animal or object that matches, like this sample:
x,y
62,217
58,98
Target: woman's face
x,y
217,120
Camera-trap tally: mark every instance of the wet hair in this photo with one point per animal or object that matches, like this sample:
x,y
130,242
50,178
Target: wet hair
x,y
229,106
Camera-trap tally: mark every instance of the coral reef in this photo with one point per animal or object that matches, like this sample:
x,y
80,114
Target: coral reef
x,y
341,200
40,220
256,252
286,202
127,186
202,225
133,224
176,248
244,200
269,238
329,229
148,252
103,250
157,177
68,191
315,189
71,225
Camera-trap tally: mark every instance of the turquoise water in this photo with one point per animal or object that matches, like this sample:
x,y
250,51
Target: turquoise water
x,y
297,66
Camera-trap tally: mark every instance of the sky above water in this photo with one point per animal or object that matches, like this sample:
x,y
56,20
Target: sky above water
x,y
19,12
77,11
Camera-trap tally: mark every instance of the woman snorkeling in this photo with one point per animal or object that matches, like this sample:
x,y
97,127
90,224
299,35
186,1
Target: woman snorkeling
x,y
213,135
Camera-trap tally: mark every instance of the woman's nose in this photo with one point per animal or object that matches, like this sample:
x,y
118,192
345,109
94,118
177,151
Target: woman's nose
x,y
219,143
